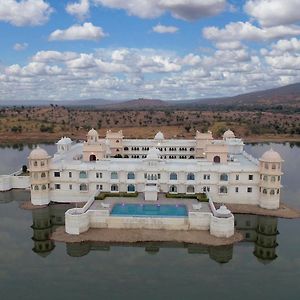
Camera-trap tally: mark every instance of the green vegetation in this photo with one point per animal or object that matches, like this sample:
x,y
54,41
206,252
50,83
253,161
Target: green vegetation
x,y
201,197
103,195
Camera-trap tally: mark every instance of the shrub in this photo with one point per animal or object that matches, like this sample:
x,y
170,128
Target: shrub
x,y
103,195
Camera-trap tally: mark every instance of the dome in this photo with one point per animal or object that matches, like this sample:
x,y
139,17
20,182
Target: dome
x,y
64,141
228,134
271,156
159,136
223,211
92,132
153,153
38,153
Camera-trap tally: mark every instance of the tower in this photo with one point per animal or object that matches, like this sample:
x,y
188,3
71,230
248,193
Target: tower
x,y
93,150
270,165
39,176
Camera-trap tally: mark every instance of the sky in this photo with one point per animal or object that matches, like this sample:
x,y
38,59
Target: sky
x,y
158,49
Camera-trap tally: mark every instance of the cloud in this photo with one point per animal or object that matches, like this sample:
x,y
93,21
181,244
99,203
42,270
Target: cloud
x,y
87,31
274,12
181,9
53,56
79,9
237,31
164,29
20,46
26,12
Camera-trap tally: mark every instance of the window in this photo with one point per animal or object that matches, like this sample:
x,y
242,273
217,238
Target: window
x,y
43,175
82,174
93,157
266,166
173,189
190,189
248,223
272,192
57,186
126,149
70,174
83,187
237,177
36,187
217,159
249,189
130,175
278,178
98,175
190,176
206,176
114,188
236,189
130,188
173,176
273,178
224,177
114,175
42,163
70,187
56,174
145,175
35,163
265,191
265,178
250,177
273,166
158,176
99,187
223,190
44,187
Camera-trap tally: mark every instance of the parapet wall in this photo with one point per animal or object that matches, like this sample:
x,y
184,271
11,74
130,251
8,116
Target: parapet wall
x,y
8,182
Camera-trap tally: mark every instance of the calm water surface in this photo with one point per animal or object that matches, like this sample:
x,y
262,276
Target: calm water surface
x,y
265,266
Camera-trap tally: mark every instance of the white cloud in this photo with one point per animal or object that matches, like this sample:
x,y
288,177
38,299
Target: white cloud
x,y
274,12
164,29
181,9
26,12
79,9
53,56
20,46
237,31
231,45
87,31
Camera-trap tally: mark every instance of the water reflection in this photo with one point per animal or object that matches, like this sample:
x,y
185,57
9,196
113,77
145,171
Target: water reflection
x,y
262,231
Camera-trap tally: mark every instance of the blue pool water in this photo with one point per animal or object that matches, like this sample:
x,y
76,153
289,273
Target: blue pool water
x,y
151,210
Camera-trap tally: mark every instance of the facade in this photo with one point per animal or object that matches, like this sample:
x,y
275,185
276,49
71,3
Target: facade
x,y
114,164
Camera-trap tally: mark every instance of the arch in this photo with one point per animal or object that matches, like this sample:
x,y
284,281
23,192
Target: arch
x,y
223,190
118,156
126,156
173,189
36,187
35,163
190,176
42,163
114,175
43,175
126,149
265,191
130,188
274,166
224,177
82,174
190,189
83,187
44,187
114,188
130,175
92,157
217,159
173,176
272,192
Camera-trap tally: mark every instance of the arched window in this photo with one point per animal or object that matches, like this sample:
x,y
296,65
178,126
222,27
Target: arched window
x,y
223,190
114,175
92,157
43,175
272,192
273,166
126,156
224,177
82,174
131,188
265,191
114,188
190,189
173,189
190,176
173,176
130,175
126,149
35,163
83,187
44,187
217,159
36,187
265,178
273,178
42,163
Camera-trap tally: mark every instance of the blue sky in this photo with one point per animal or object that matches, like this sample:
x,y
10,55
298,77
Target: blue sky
x,y
168,49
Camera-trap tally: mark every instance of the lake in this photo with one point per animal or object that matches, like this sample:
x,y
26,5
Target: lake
x,y
264,266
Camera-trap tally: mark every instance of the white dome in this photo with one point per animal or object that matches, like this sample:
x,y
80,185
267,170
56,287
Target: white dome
x,y
228,134
153,153
38,153
224,211
92,132
159,136
64,141
271,156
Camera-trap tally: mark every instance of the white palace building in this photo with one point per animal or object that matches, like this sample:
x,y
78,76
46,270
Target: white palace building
x,y
220,168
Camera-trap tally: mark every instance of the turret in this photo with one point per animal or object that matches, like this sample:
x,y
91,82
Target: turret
x,y
270,179
93,150
64,145
39,176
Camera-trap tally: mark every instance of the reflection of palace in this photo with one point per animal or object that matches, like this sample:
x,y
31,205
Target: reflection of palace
x,y
262,231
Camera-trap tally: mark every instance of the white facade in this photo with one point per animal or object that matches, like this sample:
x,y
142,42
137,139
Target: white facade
x,y
115,164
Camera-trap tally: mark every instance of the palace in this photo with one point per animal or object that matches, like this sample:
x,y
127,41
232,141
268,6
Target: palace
x,y
220,168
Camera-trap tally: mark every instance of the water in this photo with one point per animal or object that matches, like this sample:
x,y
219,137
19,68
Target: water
x,y
153,210
265,266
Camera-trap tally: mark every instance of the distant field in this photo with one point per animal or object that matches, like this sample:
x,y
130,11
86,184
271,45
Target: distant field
x,y
50,123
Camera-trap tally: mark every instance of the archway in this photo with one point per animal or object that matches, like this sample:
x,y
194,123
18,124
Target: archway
x,y
217,159
92,157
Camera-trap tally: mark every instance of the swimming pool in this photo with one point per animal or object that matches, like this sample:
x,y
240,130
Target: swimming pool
x,y
149,210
